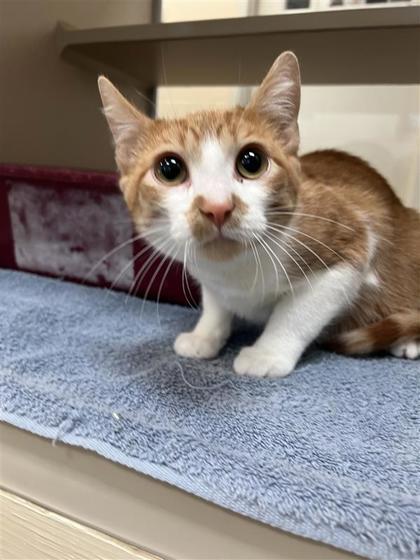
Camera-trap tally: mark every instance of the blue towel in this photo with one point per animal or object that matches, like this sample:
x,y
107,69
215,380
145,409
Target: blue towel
x,y
331,452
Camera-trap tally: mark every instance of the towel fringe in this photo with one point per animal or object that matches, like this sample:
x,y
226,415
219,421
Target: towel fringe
x,y
64,428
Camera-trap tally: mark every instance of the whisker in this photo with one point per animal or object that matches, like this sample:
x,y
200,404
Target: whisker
x,y
165,77
298,231
138,279
284,270
311,251
263,244
184,280
249,243
195,258
303,245
129,264
109,254
144,267
133,239
254,283
187,275
166,257
140,94
260,266
168,268
289,246
281,212
268,248
277,242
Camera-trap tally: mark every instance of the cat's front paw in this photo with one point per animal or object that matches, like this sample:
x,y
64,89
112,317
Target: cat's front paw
x,y
258,363
191,345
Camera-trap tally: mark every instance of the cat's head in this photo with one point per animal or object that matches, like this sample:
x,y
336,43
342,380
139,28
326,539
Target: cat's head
x,y
213,179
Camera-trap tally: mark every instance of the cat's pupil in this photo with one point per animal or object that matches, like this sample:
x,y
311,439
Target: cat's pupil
x,y
170,167
251,161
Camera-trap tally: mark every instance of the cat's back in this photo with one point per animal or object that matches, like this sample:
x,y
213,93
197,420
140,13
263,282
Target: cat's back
x,y
344,187
344,171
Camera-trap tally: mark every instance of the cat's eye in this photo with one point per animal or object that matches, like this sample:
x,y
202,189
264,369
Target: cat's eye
x,y
251,162
171,169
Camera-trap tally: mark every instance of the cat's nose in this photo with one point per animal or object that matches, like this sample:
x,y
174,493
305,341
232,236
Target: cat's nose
x,y
218,213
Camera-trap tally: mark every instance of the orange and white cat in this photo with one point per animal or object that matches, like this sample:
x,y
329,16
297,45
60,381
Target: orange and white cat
x,y
312,247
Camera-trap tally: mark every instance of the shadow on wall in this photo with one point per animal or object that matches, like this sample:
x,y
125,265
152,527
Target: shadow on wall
x,y
49,110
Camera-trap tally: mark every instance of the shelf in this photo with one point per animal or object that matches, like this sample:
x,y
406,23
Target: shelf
x,y
340,46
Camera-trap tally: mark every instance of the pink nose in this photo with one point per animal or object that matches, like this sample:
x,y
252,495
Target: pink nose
x,y
217,213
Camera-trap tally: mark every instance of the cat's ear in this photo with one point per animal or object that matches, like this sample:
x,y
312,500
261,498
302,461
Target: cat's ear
x,y
278,98
126,123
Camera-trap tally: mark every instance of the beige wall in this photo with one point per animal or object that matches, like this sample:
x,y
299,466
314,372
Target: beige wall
x,y
49,110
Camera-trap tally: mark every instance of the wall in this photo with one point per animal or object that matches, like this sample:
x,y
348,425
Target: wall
x,y
378,123
49,110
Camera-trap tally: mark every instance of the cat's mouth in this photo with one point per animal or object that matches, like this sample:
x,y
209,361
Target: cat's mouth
x,y
220,236
221,248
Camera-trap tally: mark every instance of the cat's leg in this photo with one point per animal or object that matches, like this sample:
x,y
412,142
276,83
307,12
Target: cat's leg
x,y
297,321
210,333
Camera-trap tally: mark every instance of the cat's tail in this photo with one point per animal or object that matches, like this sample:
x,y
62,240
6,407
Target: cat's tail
x,y
398,333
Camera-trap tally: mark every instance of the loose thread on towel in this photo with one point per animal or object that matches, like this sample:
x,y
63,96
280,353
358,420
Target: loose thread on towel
x,y
198,387
65,426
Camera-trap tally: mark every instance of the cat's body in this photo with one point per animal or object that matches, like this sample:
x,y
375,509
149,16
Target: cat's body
x,y
335,188
311,247
362,199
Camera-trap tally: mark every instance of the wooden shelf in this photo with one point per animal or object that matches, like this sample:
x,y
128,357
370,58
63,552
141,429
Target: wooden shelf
x,y
341,46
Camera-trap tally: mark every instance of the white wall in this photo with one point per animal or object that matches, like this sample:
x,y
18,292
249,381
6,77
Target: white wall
x,y
378,123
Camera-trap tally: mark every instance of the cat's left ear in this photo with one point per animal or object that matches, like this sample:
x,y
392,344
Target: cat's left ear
x,y
126,122
278,98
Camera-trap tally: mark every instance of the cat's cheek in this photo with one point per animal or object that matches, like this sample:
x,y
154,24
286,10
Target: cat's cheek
x,y
177,204
180,230
254,196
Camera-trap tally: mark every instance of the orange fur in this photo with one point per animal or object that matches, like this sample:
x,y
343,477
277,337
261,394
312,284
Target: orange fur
x,y
360,190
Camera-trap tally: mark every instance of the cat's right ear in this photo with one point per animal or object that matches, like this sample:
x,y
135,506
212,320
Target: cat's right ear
x,y
278,98
126,123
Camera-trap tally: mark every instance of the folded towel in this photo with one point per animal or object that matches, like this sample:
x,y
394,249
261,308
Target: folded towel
x,y
331,452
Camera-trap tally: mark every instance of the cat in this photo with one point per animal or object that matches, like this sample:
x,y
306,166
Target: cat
x,y
313,248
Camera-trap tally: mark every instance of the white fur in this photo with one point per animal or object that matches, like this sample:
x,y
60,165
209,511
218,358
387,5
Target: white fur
x,y
408,349
296,321
213,176
373,280
255,287
372,240
210,333
293,321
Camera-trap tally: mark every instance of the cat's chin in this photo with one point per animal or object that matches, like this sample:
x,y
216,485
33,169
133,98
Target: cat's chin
x,y
221,249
